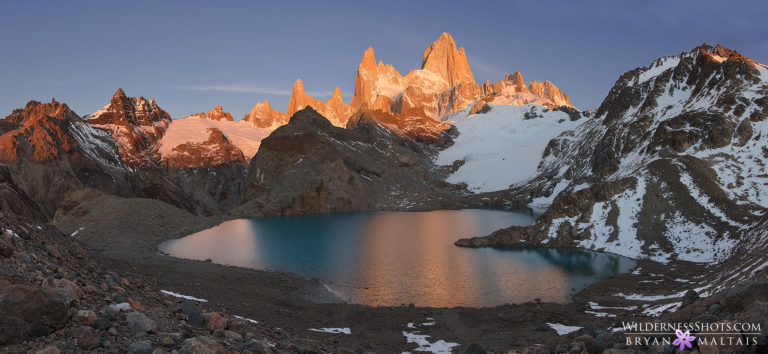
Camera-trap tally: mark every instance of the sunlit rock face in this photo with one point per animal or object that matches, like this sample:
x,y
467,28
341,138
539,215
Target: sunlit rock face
x,y
443,85
335,110
262,115
137,124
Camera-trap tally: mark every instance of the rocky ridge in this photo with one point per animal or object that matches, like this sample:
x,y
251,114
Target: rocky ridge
x,y
365,167
136,124
670,167
56,296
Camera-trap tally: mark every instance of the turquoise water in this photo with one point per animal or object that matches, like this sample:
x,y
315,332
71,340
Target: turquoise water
x,y
392,258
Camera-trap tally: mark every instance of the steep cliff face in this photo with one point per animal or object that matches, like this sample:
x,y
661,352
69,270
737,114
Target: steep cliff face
x,y
671,166
311,166
443,85
335,110
137,124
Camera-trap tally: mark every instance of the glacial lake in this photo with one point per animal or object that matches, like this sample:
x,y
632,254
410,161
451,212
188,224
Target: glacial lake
x,y
390,258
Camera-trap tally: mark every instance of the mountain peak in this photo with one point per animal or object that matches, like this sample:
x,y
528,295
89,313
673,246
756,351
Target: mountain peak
x,y
262,115
442,58
369,59
119,94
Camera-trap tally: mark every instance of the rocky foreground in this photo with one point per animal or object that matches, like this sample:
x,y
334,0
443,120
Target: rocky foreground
x,y
55,297
58,294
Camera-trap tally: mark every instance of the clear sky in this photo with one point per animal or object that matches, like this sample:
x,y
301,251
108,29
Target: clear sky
x,y
193,55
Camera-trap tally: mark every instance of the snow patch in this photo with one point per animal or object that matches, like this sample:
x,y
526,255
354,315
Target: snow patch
x,y
424,345
501,148
344,330
563,329
187,297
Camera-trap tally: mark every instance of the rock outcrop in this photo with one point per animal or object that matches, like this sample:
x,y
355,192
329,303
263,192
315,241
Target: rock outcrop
x,y
262,115
137,124
335,110
443,85
216,114
311,166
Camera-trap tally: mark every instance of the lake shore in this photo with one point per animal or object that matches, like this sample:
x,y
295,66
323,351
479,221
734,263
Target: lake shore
x,y
126,232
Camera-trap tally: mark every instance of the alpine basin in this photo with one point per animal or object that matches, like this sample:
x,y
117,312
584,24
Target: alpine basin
x,y
390,258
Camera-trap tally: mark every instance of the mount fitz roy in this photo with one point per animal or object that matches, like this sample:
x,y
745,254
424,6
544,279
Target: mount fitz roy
x,y
670,167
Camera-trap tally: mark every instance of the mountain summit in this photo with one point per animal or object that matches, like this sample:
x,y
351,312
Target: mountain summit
x,y
450,63
443,85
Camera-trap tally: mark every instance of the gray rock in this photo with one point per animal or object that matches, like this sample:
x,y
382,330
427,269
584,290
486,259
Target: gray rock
x,y
140,323
475,348
29,312
102,323
140,347
194,317
87,338
258,346
689,297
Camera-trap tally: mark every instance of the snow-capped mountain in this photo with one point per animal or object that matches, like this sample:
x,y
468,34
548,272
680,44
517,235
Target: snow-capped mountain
x,y
137,124
443,85
672,165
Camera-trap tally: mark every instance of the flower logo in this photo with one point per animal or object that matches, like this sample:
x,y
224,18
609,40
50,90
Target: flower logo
x,y
683,339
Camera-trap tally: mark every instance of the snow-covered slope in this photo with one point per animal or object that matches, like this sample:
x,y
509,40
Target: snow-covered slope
x,y
671,167
504,146
194,129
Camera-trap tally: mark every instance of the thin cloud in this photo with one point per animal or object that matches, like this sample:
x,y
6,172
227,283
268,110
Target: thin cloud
x,y
248,88
243,88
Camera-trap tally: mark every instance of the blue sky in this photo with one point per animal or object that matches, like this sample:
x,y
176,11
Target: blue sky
x,y
193,55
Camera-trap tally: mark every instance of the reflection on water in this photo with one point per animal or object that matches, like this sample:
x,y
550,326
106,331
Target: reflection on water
x,y
391,258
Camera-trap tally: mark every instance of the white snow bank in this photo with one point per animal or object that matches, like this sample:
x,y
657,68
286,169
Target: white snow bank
x,y
659,309
563,329
501,148
246,319
344,330
440,346
640,297
187,297
195,129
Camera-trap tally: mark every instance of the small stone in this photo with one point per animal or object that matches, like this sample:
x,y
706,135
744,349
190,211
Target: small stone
x,y
49,350
112,331
77,251
476,349
114,309
167,341
237,325
6,248
200,345
135,304
102,323
138,322
140,347
233,336
85,317
258,346
53,251
87,338
214,321
194,317
68,290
